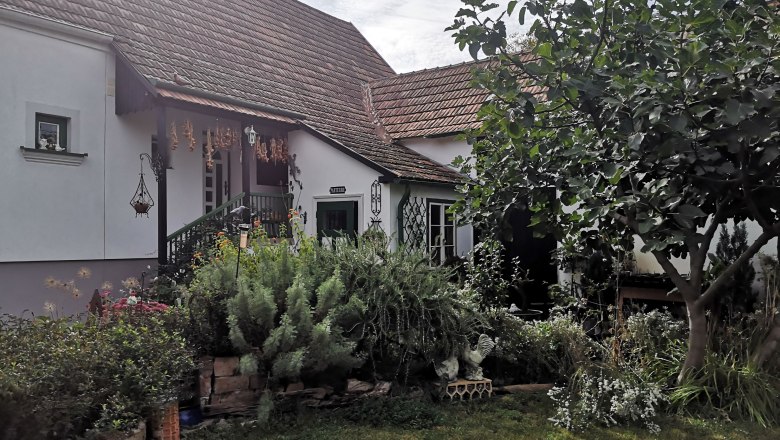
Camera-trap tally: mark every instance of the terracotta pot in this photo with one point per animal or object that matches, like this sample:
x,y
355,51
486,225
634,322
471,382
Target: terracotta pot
x,y
141,208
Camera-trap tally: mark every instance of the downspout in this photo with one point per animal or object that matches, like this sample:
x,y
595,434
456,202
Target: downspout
x,y
400,214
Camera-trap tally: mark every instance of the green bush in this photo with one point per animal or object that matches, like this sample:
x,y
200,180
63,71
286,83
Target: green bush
x,y
728,387
654,344
62,376
609,398
310,307
538,351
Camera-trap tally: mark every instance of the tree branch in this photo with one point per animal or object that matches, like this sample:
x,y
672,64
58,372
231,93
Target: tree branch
x,y
699,257
685,288
715,288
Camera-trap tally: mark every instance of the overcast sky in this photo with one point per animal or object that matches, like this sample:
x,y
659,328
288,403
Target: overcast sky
x,y
409,34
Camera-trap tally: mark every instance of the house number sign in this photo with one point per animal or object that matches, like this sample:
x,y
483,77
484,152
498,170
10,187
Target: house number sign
x,y
338,189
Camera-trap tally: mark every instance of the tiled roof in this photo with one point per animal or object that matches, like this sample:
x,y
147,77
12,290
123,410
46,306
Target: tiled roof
x,y
429,102
278,53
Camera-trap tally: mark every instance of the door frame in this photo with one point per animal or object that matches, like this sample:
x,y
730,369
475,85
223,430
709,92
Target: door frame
x,y
224,159
340,198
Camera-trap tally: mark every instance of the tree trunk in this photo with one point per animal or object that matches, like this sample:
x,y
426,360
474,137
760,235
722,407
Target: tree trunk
x,y
697,340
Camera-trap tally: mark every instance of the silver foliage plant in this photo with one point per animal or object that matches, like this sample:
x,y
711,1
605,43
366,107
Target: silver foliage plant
x,y
609,400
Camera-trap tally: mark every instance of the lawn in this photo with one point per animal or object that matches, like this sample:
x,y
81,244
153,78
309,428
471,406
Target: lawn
x,y
505,417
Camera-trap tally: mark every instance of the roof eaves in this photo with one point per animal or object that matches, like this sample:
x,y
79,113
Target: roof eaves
x,y
439,183
226,99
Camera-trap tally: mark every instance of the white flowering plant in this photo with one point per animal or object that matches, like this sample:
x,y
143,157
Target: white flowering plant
x,y
609,399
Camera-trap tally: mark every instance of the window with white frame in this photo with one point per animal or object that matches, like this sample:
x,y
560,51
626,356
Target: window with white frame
x,y
441,231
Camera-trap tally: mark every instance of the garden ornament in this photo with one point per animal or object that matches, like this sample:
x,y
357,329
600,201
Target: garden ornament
x,y
448,369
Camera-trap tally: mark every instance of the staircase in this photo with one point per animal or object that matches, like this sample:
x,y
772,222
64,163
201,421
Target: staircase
x,y
270,209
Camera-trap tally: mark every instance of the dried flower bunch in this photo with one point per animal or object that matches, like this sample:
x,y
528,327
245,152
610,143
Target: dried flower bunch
x,y
189,134
173,136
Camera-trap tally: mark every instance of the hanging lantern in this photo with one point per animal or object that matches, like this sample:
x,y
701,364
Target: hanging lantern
x,y
142,201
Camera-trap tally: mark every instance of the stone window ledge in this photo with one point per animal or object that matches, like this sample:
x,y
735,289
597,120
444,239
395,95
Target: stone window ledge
x,y
55,157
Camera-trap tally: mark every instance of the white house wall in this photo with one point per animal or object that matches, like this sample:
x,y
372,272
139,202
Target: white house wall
x,y
442,150
322,167
52,211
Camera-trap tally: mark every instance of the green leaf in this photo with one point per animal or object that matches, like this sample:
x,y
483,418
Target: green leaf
x,y
737,111
635,140
534,151
544,50
511,7
691,211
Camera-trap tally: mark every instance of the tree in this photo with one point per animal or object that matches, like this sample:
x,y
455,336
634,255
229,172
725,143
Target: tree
x,y
656,118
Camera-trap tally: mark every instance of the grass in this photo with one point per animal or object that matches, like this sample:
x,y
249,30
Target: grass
x,y
505,417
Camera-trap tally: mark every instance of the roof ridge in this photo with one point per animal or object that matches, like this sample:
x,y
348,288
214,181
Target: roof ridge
x,y
430,69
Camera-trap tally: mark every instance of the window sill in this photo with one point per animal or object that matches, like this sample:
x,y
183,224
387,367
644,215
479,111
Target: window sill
x,y
55,157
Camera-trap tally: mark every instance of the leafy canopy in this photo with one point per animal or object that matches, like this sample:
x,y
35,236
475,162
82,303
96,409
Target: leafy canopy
x,y
646,117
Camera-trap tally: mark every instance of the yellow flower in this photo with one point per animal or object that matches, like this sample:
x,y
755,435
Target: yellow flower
x,y
84,273
50,282
131,282
106,285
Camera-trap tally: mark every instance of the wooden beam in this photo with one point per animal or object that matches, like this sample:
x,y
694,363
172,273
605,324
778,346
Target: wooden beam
x,y
246,162
162,188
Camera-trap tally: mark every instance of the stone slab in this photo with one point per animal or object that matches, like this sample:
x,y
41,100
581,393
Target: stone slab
x,y
226,366
228,384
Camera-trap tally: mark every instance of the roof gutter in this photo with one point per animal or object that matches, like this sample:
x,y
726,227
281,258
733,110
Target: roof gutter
x,y
226,99
60,26
406,181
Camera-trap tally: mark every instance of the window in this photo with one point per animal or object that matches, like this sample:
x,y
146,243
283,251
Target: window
x,y
51,132
441,231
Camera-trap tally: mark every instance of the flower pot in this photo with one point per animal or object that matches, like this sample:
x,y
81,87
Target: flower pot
x,y
141,208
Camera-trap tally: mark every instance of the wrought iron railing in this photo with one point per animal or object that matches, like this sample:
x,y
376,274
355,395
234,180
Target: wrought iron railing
x,y
270,209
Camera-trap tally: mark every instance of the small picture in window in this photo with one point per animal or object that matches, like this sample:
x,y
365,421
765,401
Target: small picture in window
x,y
49,136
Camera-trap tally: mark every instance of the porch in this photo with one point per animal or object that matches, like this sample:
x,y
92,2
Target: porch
x,y
209,155
270,209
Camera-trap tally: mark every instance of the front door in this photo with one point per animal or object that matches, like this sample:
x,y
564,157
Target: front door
x,y
336,219
216,189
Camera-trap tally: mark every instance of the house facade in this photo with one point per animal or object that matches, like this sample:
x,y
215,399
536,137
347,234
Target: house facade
x,y
131,125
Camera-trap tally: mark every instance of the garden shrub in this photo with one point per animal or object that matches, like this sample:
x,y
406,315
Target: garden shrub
x,y
538,351
308,307
413,314
609,398
727,386
61,377
654,344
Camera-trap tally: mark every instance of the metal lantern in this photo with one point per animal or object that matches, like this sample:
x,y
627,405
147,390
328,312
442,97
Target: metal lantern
x,y
251,134
142,201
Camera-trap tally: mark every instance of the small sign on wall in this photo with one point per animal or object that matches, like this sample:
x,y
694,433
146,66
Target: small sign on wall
x,y
338,189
